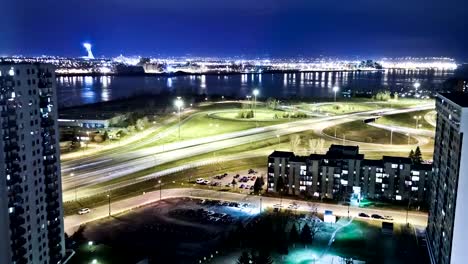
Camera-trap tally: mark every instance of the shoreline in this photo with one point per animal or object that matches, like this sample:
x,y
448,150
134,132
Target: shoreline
x,y
182,73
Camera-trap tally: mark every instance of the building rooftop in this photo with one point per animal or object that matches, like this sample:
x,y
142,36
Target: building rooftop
x,y
458,98
298,159
281,154
372,163
397,160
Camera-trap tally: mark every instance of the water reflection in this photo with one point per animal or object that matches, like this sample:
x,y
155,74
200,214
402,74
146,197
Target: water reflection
x,y
81,90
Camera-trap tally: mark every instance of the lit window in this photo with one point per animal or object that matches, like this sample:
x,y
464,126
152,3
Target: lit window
x,y
398,197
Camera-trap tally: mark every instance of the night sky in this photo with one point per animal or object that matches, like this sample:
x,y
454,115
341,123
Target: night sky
x,y
267,28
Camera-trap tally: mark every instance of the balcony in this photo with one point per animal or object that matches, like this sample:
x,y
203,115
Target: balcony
x,y
17,220
51,169
52,205
47,122
17,230
51,161
19,242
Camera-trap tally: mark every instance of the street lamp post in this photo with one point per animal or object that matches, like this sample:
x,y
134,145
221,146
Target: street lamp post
x,y
255,94
416,86
335,90
391,136
160,190
279,140
109,202
417,118
260,204
179,103
407,211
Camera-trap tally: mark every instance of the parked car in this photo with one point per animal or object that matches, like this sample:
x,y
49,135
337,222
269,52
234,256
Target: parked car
x,y
251,171
200,180
387,217
242,186
206,182
83,211
376,216
363,215
236,176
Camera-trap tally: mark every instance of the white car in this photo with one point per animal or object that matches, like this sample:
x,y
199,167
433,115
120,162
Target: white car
x,y
83,211
206,182
200,180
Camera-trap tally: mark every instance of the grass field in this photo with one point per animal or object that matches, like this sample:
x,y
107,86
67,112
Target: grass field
x,y
407,120
360,105
361,132
363,239
261,115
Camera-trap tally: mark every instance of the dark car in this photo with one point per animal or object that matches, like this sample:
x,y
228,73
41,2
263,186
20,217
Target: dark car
x,y
363,215
376,216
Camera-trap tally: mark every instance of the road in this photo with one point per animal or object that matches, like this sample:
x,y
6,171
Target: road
x,y
127,160
72,222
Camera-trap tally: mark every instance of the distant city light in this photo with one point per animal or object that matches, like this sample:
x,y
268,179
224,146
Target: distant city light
x,y
87,46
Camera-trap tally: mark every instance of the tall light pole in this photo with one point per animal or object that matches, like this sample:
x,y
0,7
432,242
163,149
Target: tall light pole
x,y
416,86
160,190
335,90
179,103
109,202
255,93
391,136
417,118
279,140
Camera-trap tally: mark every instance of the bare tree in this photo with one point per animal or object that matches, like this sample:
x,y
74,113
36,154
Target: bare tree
x,y
321,145
295,141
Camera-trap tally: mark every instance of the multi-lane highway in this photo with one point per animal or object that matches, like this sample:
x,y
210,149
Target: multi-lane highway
x,y
128,159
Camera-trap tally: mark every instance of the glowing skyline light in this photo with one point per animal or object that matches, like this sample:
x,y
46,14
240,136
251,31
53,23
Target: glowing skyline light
x,y
88,46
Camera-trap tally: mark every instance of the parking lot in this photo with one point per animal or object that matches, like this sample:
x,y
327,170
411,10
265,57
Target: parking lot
x,y
179,229
242,181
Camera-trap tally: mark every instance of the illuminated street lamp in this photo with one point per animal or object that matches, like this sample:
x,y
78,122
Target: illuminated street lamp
x,y
416,85
160,190
179,103
417,118
335,90
255,94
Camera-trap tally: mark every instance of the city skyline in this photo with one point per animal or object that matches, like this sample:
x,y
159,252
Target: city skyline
x,y
263,29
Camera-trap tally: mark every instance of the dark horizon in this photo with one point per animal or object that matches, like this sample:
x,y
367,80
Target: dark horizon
x,y
267,29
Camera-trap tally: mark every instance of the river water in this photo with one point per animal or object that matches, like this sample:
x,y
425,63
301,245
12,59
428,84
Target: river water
x,y
78,90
